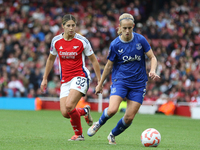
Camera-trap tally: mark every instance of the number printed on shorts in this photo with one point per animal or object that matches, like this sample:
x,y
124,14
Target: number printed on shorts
x,y
80,81
144,93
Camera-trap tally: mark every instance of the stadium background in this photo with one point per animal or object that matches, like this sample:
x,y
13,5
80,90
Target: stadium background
x,y
171,27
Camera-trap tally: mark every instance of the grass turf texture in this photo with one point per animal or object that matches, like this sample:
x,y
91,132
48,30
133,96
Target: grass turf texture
x,y
48,130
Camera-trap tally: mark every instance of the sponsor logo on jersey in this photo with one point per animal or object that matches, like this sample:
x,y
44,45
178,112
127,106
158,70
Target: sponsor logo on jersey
x,y
61,47
138,46
75,47
67,55
131,58
120,51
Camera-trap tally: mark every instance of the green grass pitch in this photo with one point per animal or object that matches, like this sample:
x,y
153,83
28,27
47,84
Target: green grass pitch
x,y
48,130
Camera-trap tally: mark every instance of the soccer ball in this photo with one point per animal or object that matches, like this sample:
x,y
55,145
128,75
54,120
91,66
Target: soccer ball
x,y
150,137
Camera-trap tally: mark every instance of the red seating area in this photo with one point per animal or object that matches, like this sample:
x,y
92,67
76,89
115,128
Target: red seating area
x,y
166,42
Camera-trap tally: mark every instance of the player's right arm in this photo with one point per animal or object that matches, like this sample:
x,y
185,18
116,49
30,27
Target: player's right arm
x,y
49,65
106,72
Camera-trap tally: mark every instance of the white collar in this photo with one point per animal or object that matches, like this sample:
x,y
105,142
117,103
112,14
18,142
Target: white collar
x,y
127,41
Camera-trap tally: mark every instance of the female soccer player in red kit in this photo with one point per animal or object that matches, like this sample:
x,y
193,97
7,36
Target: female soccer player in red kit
x,y
72,48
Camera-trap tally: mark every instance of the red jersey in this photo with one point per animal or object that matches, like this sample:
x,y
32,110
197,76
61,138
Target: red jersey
x,y
71,56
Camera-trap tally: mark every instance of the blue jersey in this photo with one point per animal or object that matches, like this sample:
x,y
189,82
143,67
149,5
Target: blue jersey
x,y
129,60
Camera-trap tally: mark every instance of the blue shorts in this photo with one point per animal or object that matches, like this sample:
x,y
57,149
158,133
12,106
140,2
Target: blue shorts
x,y
131,93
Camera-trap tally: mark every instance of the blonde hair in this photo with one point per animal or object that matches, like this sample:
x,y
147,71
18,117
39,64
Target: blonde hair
x,y
67,18
122,17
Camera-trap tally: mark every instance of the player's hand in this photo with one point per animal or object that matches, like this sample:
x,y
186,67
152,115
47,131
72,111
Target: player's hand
x,y
153,75
99,89
43,85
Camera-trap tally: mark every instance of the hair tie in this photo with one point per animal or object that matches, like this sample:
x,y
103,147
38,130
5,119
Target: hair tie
x,y
126,18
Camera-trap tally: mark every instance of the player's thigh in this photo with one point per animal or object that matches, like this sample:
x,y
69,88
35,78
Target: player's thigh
x,y
63,107
135,99
114,103
118,93
132,108
64,92
68,103
78,88
72,99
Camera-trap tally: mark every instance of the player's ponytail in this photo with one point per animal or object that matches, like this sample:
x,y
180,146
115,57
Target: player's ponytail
x,y
119,31
122,17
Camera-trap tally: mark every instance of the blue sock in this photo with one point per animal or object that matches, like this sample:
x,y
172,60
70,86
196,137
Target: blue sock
x,y
120,127
104,117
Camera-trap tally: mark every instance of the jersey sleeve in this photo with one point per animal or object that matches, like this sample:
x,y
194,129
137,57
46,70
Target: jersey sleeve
x,y
111,55
145,44
87,48
53,50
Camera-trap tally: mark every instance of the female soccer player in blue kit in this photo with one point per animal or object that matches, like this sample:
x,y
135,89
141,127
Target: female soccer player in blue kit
x,y
126,59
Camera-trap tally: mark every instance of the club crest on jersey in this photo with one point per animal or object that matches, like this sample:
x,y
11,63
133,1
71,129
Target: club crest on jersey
x,y
121,51
138,46
75,47
113,90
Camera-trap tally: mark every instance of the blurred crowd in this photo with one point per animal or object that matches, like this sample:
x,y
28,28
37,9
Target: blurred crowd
x,y
172,28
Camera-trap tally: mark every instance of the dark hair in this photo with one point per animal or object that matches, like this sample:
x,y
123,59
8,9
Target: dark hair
x,y
67,18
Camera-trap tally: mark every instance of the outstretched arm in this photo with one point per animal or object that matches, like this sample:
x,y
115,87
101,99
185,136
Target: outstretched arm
x,y
152,73
106,71
96,66
49,65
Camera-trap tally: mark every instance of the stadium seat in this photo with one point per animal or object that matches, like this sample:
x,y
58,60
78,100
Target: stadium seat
x,y
166,42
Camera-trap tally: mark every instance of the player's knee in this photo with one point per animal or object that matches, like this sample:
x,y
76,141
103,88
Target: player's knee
x,y
65,114
128,119
69,108
111,112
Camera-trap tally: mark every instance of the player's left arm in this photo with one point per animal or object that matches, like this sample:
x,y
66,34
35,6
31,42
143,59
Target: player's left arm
x,y
152,73
96,66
